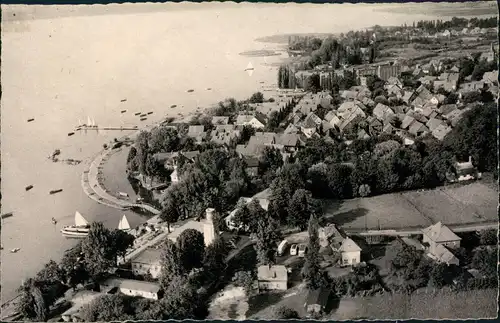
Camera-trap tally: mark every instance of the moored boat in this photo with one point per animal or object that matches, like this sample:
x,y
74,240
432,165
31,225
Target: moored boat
x,y
142,119
150,112
173,106
80,229
28,187
191,90
31,119
70,134
123,100
137,113
6,215
123,111
55,191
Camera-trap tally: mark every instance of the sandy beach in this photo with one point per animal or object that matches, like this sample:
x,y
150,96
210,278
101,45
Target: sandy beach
x,y
61,65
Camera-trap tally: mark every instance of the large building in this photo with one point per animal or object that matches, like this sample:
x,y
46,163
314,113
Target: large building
x,y
130,287
272,277
146,262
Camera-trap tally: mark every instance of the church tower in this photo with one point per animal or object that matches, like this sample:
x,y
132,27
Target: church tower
x,y
208,227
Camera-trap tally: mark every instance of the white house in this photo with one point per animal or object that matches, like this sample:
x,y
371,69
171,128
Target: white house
x,y
272,277
147,261
250,120
350,252
132,287
440,234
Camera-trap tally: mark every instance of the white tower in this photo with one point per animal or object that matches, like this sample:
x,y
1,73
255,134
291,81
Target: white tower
x,y
209,229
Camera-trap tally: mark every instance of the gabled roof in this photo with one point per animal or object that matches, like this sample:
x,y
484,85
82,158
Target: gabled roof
x,y
291,129
441,131
348,245
440,233
288,140
329,116
444,255
272,273
491,77
407,121
433,123
447,108
417,127
382,111
312,120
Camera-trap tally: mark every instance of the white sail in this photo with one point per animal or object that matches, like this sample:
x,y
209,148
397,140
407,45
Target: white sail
x,y
89,122
93,122
79,122
124,225
80,220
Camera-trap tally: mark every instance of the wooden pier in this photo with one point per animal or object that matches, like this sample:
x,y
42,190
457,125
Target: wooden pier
x,y
107,128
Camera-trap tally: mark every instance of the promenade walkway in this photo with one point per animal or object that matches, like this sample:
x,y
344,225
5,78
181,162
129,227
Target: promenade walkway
x,y
91,182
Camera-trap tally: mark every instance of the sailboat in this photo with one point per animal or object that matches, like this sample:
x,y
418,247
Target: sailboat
x,y
124,225
79,230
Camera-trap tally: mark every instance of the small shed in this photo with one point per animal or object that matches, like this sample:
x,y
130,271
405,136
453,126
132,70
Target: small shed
x,y
317,300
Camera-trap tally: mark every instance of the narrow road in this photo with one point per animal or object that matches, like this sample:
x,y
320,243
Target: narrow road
x,y
92,186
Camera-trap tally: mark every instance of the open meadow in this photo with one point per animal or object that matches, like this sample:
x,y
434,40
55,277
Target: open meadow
x,y
465,204
442,304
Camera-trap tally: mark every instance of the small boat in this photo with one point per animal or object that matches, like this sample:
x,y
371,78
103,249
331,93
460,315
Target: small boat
x,y
143,115
249,67
173,106
137,113
6,215
70,134
123,111
123,100
262,82
136,127
14,250
150,112
28,187
1,247
123,224
191,90
31,119
122,194
142,119
55,191
209,88
54,221
79,230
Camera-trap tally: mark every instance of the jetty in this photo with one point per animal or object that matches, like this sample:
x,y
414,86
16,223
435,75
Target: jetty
x,y
6,215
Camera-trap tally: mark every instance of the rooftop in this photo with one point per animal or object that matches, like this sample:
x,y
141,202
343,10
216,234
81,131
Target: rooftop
x,y
276,273
148,256
440,233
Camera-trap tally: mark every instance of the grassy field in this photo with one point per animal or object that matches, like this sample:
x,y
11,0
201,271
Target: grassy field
x,y
470,203
443,304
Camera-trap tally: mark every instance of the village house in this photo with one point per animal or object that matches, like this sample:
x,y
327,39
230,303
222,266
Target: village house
x,y
288,143
261,197
488,56
396,90
197,132
349,95
256,144
130,287
491,78
433,123
272,277
252,165
382,112
317,301
256,121
420,97
375,126
225,134
146,262
291,129
448,86
350,252
441,131
439,234
444,255
418,129
471,86
454,116
394,81
79,300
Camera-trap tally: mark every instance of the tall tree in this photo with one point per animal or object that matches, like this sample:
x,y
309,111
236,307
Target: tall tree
x,y
267,235
300,209
99,250
32,305
191,246
312,270
121,242
171,264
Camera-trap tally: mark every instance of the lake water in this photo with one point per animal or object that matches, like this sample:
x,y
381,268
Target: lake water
x,y
63,64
